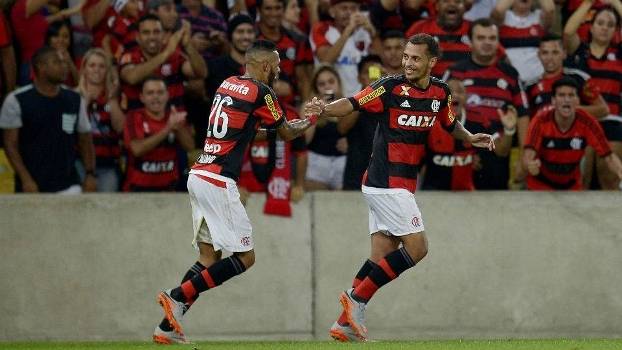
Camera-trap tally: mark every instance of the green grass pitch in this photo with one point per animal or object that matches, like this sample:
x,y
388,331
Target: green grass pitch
x,y
614,344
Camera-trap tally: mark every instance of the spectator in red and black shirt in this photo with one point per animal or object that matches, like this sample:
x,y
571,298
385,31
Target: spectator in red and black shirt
x,y
552,55
122,28
602,59
294,50
451,31
491,84
407,107
557,139
99,85
151,136
449,162
151,57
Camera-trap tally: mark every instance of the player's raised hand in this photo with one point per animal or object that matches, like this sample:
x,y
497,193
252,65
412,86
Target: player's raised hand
x,y
482,141
533,166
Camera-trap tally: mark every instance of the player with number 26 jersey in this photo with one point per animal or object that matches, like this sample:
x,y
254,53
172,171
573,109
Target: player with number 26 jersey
x,y
240,106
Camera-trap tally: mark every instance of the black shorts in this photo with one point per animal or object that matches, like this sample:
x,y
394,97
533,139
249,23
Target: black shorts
x,y
613,129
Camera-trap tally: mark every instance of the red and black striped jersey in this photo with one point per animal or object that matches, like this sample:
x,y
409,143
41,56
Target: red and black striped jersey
x,y
157,169
560,152
489,88
606,73
170,71
240,106
515,37
105,139
405,114
540,92
454,45
449,162
123,31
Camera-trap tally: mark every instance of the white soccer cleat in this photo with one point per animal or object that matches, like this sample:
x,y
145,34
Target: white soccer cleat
x,y
173,310
355,312
343,334
168,338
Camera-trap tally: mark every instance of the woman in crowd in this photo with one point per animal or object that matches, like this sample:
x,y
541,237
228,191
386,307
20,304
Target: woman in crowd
x,y
602,59
326,146
58,36
99,86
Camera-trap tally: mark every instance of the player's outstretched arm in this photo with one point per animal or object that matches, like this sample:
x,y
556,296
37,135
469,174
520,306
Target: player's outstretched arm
x,y
340,108
477,140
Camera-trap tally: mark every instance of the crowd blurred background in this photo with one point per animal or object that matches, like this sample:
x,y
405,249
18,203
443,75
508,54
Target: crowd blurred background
x,y
143,74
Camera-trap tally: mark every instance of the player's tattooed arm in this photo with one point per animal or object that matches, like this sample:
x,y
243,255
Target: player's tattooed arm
x,y
290,130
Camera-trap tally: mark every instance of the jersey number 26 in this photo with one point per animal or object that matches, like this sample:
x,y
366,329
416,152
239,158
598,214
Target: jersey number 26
x,y
218,120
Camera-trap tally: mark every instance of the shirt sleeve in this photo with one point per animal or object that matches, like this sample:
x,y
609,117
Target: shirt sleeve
x,y
133,129
84,124
269,111
318,36
372,99
533,133
11,114
447,115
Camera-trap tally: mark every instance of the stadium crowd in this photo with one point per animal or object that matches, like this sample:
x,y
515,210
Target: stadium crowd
x,y
102,95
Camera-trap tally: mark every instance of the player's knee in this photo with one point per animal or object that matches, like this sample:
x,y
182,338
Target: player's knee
x,y
417,251
247,258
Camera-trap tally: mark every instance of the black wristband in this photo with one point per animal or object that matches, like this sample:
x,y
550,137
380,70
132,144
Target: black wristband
x,y
90,172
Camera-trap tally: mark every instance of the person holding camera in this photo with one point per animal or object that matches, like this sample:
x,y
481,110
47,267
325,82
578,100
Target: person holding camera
x,y
327,147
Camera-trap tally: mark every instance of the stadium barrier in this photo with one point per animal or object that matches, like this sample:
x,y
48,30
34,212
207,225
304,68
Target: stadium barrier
x,y
500,265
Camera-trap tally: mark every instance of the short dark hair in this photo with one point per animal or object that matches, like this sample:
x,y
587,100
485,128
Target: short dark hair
x,y
54,30
551,37
482,22
428,40
152,78
392,34
41,55
259,3
368,59
261,45
565,81
148,17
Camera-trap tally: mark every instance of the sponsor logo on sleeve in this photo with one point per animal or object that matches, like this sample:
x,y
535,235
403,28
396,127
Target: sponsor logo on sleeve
x,y
450,113
272,107
372,95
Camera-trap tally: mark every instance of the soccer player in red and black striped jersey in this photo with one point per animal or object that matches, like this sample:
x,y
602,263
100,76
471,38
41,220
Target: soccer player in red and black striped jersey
x,y
552,55
491,84
241,105
407,107
557,139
